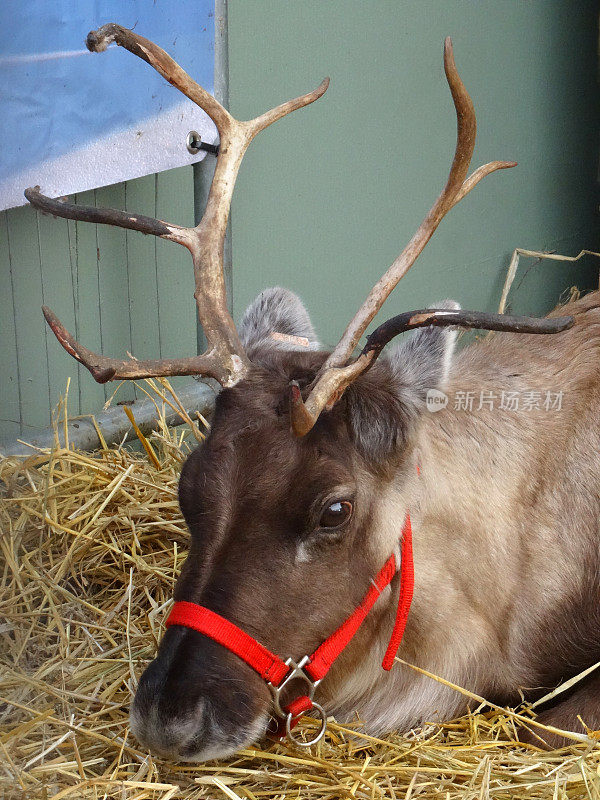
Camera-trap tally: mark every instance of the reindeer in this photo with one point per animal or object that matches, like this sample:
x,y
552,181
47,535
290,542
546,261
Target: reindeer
x,y
318,468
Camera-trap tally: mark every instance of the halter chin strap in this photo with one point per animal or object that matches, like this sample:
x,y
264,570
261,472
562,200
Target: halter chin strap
x,y
311,669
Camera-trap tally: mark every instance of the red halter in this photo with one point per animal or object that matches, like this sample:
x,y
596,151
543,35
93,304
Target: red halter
x,y
310,669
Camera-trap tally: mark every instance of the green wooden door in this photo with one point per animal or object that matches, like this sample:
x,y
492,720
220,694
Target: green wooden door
x,y
116,290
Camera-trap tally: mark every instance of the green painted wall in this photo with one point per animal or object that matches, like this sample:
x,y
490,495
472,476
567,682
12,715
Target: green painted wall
x,y
327,197
116,290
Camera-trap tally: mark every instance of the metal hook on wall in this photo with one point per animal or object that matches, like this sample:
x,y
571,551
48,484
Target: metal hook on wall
x,y
194,144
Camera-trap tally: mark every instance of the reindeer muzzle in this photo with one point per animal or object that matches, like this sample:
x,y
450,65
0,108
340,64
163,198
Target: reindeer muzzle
x,y
284,677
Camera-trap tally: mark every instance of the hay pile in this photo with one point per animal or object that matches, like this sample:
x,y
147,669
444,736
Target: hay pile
x,y
91,545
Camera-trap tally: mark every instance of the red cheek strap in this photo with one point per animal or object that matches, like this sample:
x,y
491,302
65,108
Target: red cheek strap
x,y
407,588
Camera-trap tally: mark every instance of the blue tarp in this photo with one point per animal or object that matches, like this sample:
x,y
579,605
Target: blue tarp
x,y
72,120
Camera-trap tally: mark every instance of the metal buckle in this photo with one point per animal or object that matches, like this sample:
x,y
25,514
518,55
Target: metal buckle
x,y
296,672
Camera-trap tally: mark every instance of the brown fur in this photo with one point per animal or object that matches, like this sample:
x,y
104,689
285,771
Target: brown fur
x,y
507,548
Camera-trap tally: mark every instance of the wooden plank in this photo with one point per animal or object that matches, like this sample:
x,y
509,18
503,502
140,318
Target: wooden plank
x,y
113,285
141,273
10,411
87,305
30,328
58,288
175,277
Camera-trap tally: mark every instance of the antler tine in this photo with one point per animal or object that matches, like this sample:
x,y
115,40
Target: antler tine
x,y
460,318
106,216
336,373
104,369
98,41
224,358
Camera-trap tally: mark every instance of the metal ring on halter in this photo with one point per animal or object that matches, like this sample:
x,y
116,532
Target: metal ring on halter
x,y
320,733
296,672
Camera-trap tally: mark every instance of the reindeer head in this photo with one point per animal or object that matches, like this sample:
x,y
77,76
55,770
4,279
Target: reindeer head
x,y
286,501
286,531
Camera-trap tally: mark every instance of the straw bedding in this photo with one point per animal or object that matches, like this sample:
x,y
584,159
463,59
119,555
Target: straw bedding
x,y
91,546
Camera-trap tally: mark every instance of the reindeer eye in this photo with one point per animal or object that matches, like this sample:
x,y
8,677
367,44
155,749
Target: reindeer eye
x,y
336,514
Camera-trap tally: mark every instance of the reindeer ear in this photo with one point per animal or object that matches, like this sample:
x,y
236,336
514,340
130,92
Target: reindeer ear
x,y
386,403
422,360
277,319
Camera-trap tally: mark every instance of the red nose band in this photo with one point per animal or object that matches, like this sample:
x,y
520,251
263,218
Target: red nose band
x,y
310,669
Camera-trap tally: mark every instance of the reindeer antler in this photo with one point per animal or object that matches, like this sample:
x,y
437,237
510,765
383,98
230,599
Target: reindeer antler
x,y
224,358
337,373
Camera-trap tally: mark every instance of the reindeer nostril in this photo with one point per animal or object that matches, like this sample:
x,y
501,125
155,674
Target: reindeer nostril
x,y
189,706
166,733
196,731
